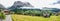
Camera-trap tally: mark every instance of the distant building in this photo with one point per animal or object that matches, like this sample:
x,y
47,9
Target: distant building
x,y
11,12
6,12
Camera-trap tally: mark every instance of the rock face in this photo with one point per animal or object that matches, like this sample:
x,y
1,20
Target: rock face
x,y
27,4
20,4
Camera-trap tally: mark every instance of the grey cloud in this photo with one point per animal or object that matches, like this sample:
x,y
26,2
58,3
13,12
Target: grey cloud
x,y
58,2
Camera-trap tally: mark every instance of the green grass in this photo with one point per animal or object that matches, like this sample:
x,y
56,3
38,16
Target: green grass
x,y
34,18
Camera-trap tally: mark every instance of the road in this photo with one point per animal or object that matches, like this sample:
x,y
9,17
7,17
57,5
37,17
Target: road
x,y
8,18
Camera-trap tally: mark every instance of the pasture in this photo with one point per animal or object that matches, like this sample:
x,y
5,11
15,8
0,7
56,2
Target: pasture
x,y
34,18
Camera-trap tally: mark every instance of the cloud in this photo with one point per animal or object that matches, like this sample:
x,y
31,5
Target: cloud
x,y
35,3
58,2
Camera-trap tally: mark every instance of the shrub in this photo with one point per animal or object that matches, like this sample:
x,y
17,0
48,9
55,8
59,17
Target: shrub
x,y
2,16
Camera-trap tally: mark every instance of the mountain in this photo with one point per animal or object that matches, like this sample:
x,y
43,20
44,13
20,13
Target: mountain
x,y
20,4
52,9
27,4
2,7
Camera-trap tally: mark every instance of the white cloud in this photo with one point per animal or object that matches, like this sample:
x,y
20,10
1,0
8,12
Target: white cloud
x,y
6,3
36,3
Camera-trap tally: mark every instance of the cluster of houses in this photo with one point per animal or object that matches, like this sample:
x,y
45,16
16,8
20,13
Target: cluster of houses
x,y
6,12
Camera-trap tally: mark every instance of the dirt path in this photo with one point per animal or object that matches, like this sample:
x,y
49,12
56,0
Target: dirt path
x,y
8,18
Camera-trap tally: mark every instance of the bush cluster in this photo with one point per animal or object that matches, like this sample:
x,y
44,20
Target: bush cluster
x,y
2,16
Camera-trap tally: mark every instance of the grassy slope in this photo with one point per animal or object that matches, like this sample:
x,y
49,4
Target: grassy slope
x,y
34,18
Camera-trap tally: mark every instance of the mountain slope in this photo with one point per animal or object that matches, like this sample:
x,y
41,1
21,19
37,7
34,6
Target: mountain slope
x,y
20,4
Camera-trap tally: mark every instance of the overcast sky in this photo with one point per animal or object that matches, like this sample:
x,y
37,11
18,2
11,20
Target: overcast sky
x,y
35,3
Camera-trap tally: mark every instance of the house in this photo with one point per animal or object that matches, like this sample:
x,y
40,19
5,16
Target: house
x,y
11,12
6,12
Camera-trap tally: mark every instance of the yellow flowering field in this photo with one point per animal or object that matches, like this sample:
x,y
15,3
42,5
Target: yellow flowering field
x,y
34,18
